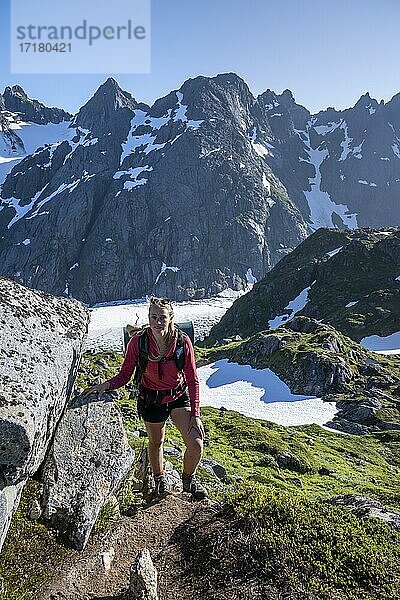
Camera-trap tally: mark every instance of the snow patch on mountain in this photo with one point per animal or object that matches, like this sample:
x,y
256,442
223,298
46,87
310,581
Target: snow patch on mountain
x,y
266,183
259,393
133,174
333,252
70,187
22,210
164,268
274,104
320,204
146,141
260,149
180,113
294,306
345,144
251,280
33,137
370,183
83,136
324,129
349,304
396,150
206,153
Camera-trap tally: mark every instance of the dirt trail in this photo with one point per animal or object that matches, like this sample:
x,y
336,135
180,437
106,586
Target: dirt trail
x,y
85,577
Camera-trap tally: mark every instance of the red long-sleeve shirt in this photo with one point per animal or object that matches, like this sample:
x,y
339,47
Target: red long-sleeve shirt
x,y
170,377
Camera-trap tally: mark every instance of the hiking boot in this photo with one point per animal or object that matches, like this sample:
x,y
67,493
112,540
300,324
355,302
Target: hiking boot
x,y
194,487
161,486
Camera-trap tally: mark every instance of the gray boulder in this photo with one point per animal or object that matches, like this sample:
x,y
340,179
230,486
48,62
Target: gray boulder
x,y
348,426
40,346
365,507
88,460
362,412
214,468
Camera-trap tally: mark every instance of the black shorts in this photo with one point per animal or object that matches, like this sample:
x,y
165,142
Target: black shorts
x,y
159,413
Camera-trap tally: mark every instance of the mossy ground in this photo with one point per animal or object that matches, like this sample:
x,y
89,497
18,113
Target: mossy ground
x,y
249,450
30,553
285,545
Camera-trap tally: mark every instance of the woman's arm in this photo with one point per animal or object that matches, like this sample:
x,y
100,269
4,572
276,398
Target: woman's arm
x,y
125,373
128,366
191,376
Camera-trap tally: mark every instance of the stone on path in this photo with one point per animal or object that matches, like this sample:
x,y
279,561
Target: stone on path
x,y
143,580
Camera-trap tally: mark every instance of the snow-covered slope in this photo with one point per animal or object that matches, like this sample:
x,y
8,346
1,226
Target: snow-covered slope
x,y
28,137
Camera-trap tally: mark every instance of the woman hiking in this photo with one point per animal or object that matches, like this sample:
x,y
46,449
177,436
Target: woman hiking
x,y
164,390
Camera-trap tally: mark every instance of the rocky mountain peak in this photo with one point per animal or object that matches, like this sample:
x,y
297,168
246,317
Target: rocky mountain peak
x,y
16,90
268,97
283,113
228,84
365,101
393,102
224,96
102,106
287,98
17,100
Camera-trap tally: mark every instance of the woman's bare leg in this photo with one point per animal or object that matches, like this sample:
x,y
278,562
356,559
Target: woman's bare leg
x,y
194,444
156,433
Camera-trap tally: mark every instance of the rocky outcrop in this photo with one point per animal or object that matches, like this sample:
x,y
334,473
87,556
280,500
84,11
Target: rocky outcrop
x,y
16,100
365,507
310,357
347,279
87,461
40,347
313,358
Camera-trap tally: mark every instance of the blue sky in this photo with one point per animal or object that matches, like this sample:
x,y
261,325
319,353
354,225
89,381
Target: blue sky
x,y
328,52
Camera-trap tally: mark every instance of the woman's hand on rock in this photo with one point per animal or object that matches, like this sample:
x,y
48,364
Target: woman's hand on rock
x,y
100,388
196,423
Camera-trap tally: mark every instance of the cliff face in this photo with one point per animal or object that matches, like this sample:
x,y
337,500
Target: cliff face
x,y
207,189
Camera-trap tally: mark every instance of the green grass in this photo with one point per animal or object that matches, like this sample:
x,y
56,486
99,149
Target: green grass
x,y
249,448
320,548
